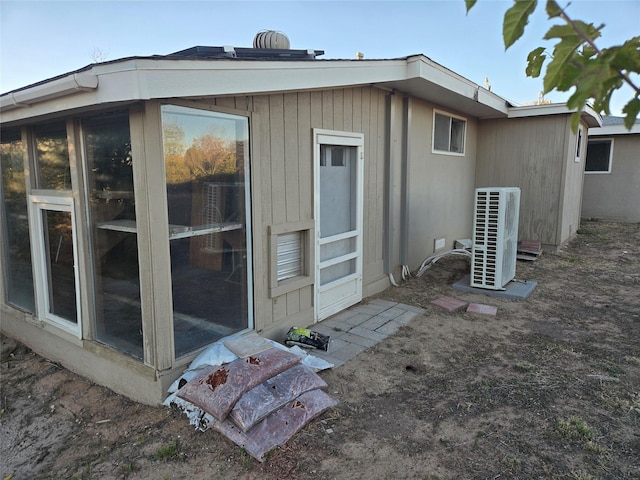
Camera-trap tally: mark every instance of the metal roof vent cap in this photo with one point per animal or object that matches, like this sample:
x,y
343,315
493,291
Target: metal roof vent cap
x,y
271,39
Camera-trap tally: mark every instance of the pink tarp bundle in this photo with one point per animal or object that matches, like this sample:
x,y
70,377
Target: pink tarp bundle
x,y
280,426
267,397
261,401
217,389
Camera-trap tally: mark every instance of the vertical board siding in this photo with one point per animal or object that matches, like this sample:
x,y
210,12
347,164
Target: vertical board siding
x,y
262,157
277,135
285,136
529,153
304,157
291,158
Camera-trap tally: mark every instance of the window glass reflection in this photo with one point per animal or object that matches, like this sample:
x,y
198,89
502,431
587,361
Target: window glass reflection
x,y
52,157
15,227
115,247
206,155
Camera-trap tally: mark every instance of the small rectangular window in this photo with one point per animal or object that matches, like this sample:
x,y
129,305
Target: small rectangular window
x,y
290,253
579,144
448,133
599,153
291,257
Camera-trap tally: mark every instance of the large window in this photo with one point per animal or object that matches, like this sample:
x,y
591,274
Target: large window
x,y
54,229
449,133
206,159
15,224
118,316
599,154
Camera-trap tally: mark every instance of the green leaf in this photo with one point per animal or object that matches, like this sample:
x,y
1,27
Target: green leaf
x,y
515,19
535,61
575,120
470,4
553,9
632,108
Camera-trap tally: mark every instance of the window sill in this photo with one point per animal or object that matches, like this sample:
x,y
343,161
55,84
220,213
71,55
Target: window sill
x,y
289,285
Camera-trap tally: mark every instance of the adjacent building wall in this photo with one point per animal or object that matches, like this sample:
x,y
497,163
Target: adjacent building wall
x,y
616,195
536,154
440,187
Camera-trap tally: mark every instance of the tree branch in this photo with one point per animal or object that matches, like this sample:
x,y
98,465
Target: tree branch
x,y
592,44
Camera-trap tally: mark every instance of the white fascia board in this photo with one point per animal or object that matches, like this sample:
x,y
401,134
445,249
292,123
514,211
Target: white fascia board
x,y
589,115
614,130
422,67
197,78
144,79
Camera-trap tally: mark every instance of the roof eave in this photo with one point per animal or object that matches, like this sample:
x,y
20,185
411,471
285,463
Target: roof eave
x,y
589,116
143,78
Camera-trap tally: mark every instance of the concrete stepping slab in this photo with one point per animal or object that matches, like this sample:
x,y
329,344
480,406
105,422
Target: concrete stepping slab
x,y
450,304
482,309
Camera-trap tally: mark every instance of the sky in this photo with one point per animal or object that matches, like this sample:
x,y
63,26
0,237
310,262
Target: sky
x,y
43,39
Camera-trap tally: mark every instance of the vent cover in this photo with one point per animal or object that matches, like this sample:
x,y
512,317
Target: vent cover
x,y
495,237
271,39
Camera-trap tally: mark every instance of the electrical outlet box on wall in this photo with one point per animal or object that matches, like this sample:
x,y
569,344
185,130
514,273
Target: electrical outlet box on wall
x,y
439,244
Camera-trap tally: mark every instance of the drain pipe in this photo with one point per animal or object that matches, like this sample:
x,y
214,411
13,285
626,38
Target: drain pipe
x,y
388,187
404,205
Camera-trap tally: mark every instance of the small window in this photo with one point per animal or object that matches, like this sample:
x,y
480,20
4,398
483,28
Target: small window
x,y
599,153
291,257
448,133
290,253
579,144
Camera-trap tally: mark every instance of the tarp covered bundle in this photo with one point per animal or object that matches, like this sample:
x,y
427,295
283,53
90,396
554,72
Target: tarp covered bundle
x,y
259,400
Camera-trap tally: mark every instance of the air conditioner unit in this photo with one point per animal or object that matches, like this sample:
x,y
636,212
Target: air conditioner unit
x,y
495,237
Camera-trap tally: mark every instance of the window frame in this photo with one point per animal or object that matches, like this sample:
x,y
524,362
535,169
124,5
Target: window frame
x,y
600,172
451,116
306,278
579,144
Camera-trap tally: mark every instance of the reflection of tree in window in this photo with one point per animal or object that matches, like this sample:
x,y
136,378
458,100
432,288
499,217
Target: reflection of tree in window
x,y
207,156
53,157
210,155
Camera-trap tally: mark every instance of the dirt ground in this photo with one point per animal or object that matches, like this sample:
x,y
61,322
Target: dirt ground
x,y
548,388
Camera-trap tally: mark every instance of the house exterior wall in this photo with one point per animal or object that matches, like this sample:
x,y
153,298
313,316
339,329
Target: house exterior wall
x,y
282,162
536,154
573,175
440,187
616,195
281,146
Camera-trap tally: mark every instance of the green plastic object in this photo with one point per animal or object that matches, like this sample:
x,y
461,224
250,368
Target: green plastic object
x,y
307,339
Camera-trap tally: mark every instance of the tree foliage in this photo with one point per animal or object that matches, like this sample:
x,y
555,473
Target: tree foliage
x,y
576,62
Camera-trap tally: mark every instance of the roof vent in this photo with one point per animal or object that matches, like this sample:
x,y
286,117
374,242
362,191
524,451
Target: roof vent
x,y
271,39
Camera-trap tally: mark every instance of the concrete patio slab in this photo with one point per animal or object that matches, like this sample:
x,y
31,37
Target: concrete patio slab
x,y
514,290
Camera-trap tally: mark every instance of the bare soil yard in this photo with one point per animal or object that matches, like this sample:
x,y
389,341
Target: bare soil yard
x,y
548,388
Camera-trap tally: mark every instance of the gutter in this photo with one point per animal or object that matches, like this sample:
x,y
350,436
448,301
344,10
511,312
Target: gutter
x,y
58,88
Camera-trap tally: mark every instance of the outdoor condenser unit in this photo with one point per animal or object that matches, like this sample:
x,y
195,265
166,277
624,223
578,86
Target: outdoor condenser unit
x,y
495,237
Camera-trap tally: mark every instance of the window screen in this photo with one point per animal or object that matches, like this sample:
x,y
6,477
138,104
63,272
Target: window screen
x,y
599,156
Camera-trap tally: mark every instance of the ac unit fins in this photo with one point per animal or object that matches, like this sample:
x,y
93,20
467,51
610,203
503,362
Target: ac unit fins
x,y
495,237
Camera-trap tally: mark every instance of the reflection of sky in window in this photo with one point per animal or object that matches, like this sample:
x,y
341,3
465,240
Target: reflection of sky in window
x,y
198,123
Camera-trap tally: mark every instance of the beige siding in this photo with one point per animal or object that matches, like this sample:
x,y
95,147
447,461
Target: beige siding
x,y
283,126
572,192
616,195
440,186
530,153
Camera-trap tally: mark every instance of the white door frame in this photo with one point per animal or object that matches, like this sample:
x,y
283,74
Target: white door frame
x,y
39,204
346,291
